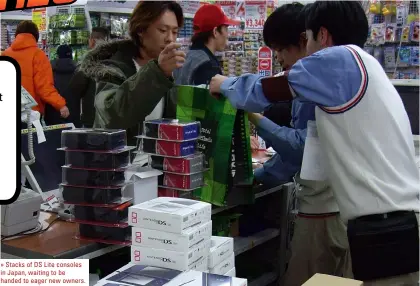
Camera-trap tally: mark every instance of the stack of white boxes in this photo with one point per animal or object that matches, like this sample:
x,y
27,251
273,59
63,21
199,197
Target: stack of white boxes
x,y
221,257
171,233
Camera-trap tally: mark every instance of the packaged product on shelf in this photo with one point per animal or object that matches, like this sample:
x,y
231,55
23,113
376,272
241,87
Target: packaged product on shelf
x,y
190,181
176,260
168,148
165,192
117,214
414,34
378,54
113,159
104,234
414,56
94,139
183,242
404,56
78,194
405,34
377,34
91,177
186,165
224,266
221,249
171,129
390,33
169,214
389,57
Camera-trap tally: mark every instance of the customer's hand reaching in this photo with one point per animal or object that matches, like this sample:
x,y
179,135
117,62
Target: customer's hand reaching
x,y
216,83
170,59
64,112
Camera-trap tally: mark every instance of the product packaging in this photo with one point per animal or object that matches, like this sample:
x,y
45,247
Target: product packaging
x,y
224,266
169,214
168,148
183,242
190,181
414,35
78,194
196,278
171,129
377,34
405,34
187,165
389,57
390,33
169,259
93,139
91,177
414,56
404,57
112,159
101,214
221,248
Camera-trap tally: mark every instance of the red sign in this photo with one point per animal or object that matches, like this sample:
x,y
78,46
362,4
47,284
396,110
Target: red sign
x,y
265,61
6,5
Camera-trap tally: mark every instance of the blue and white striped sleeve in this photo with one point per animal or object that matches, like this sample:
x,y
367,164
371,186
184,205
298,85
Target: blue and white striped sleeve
x,y
334,78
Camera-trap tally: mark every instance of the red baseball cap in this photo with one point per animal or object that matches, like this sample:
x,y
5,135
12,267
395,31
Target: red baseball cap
x,y
210,16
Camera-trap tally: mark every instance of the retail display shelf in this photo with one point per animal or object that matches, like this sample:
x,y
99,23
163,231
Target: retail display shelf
x,y
257,196
244,244
264,280
405,82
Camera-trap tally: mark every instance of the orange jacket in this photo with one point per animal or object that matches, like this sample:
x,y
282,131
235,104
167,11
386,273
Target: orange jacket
x,y
36,72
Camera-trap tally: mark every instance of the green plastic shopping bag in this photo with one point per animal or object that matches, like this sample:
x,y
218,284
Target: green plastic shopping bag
x,y
225,143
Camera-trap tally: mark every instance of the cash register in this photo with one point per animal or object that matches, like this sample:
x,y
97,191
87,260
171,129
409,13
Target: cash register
x,y
41,176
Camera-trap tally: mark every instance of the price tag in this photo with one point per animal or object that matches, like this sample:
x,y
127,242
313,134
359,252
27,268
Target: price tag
x,y
9,120
255,14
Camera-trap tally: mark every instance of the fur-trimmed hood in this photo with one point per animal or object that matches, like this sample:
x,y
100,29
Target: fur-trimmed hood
x,y
108,59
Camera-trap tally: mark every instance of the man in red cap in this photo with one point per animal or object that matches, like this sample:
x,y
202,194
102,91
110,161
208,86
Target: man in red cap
x,y
210,36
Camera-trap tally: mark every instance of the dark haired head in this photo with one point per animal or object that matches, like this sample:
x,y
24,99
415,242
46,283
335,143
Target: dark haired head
x,y
345,21
204,37
284,26
147,12
99,33
27,27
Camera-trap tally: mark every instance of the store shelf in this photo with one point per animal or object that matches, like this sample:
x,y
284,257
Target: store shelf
x,y
257,196
264,280
405,82
243,244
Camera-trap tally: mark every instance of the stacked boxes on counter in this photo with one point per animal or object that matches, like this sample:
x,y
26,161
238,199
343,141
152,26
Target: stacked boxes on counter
x,y
172,233
221,257
94,182
171,145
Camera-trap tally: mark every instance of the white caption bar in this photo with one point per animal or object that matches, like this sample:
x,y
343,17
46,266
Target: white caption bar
x,y
9,128
44,272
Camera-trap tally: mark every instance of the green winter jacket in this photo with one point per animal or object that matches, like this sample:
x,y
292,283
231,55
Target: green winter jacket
x,y
125,97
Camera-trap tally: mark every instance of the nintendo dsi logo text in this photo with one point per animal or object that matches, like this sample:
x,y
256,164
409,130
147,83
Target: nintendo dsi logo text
x,y
10,5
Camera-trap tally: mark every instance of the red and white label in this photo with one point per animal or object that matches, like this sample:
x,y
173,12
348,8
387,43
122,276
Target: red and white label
x,y
138,237
265,61
134,217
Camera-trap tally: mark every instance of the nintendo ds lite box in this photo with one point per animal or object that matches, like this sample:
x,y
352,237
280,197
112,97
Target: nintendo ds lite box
x,y
169,214
195,278
172,241
175,260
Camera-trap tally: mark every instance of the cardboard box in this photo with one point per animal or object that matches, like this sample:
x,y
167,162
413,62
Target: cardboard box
x,y
169,214
231,273
141,275
201,265
169,259
224,266
328,280
172,241
145,184
195,278
221,248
